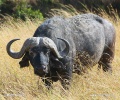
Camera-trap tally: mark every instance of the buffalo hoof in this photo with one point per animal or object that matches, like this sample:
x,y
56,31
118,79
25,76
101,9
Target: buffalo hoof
x,y
66,84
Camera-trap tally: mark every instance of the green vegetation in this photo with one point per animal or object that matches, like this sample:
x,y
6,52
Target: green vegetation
x,y
38,9
23,10
19,9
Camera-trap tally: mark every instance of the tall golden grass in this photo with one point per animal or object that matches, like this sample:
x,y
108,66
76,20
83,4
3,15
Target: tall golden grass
x,y
22,84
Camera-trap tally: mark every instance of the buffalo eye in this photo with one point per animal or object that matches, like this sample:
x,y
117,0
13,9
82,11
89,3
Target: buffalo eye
x,y
46,50
31,53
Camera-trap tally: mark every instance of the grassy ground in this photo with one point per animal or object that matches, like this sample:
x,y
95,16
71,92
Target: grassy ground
x,y
22,84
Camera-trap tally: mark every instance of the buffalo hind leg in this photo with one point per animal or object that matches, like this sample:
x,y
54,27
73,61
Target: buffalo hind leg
x,y
105,62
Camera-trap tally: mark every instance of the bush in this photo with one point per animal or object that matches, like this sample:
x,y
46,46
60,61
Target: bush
x,y
23,10
19,9
1,2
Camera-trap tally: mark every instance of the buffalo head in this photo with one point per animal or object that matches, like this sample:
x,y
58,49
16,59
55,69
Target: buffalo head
x,y
40,51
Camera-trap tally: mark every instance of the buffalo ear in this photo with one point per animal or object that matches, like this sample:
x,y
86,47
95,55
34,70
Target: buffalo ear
x,y
24,64
25,61
57,64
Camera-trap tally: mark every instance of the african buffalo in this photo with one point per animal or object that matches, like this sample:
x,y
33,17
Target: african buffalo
x,y
55,44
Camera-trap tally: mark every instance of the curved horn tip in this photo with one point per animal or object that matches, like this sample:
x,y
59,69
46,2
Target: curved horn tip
x,y
10,52
11,41
15,39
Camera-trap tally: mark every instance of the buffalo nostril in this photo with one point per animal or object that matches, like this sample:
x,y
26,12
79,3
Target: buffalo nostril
x,y
44,67
41,67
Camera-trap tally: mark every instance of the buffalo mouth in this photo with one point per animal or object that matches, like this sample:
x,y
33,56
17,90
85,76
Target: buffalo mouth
x,y
40,71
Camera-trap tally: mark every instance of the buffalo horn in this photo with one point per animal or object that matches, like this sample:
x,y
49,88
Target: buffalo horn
x,y
17,55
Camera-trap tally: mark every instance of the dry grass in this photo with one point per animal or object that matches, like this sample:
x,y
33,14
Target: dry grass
x,y
22,84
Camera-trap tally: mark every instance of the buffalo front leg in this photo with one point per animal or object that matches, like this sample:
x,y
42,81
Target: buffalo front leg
x,y
48,82
66,76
